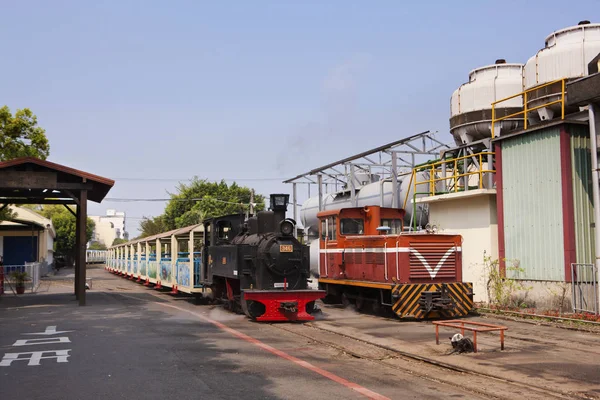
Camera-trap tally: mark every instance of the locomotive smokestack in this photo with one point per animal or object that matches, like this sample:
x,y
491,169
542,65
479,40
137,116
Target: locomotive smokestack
x,y
279,203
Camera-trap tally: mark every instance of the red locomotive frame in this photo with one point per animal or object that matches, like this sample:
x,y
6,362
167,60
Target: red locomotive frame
x,y
364,256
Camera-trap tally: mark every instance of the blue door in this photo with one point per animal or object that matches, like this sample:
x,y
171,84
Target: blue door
x,y
20,249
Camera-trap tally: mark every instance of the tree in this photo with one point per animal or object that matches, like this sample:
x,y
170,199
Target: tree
x,y
20,136
201,199
118,241
96,246
152,226
65,226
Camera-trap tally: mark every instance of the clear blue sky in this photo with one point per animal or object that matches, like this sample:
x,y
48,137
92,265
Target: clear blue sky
x,y
248,89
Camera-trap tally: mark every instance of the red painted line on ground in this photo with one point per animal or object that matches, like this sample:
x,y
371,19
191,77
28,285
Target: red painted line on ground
x,y
354,386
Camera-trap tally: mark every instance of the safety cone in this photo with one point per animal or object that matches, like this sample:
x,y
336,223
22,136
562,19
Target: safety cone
x,y
174,289
147,283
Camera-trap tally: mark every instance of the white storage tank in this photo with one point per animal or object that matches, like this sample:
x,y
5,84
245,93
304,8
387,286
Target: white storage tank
x,y
567,54
471,103
373,194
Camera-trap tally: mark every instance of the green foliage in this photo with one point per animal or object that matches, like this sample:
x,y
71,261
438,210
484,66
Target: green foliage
x,y
19,277
211,199
20,136
152,226
65,225
118,241
7,215
96,246
502,290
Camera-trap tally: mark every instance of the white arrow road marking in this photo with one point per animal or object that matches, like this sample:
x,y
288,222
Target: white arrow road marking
x,y
432,272
52,340
50,330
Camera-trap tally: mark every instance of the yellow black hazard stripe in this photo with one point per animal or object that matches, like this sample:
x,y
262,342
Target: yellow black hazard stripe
x,y
406,299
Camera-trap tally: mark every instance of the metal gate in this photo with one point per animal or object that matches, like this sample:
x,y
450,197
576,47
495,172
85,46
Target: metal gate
x,y
584,280
31,278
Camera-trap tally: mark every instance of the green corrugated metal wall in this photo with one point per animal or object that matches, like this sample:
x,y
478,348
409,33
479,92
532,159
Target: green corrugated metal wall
x,y
582,193
533,219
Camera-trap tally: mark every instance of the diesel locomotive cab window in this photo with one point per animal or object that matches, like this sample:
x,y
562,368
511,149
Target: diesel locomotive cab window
x,y
395,226
328,229
331,228
352,226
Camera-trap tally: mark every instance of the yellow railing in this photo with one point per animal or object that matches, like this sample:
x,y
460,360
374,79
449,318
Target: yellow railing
x,y
436,174
527,110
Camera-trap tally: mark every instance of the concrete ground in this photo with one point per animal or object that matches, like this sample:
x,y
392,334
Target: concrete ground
x,y
135,342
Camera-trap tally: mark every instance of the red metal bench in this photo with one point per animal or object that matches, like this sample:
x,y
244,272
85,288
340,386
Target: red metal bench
x,y
464,326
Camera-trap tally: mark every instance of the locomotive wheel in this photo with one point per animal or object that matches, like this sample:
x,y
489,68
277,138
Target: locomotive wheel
x,y
310,307
346,300
360,302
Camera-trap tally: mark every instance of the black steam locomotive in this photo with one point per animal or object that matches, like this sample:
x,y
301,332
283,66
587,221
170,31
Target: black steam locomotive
x,y
257,265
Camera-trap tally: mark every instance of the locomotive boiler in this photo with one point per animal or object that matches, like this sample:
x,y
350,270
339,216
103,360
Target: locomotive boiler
x,y
257,265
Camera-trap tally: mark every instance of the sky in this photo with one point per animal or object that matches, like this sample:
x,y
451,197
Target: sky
x,y
149,93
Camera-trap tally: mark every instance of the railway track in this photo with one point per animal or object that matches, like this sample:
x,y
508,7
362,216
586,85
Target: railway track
x,y
476,382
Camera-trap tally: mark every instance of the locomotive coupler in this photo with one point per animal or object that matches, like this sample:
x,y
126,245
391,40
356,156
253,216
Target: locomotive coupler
x,y
289,306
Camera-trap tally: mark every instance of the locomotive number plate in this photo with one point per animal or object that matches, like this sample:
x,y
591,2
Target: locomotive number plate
x,y
286,248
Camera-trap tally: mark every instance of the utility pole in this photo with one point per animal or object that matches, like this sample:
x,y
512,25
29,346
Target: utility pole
x,y
252,202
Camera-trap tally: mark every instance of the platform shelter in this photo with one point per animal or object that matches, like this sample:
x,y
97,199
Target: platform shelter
x,y
30,180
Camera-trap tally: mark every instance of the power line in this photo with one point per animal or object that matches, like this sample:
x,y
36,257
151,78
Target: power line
x,y
191,179
132,200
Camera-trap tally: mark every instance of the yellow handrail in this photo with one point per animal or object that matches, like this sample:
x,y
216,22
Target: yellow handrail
x,y
434,170
525,109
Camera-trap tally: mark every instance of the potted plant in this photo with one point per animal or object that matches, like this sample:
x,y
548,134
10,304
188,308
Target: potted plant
x,y
19,278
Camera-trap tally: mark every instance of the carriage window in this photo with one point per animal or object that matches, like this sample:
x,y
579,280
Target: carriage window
x,y
352,226
323,229
395,226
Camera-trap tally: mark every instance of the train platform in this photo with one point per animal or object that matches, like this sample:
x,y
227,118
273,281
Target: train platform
x,y
132,341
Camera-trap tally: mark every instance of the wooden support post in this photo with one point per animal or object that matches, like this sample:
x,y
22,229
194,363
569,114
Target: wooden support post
x,y
81,245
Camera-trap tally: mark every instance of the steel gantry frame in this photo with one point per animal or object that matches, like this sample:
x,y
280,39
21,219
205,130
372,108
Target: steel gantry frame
x,y
389,162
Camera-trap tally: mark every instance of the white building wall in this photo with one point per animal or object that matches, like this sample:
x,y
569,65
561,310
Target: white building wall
x,y
473,215
109,227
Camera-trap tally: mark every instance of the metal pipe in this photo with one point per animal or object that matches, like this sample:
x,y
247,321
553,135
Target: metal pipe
x,y
352,187
395,199
595,188
295,200
320,185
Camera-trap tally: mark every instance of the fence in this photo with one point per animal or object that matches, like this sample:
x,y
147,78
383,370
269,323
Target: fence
x,y
585,288
9,277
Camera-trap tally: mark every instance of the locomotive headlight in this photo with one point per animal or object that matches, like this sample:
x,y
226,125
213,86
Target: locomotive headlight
x,y
286,227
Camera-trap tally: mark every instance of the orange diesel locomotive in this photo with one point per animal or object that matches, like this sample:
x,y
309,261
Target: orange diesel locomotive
x,y
365,257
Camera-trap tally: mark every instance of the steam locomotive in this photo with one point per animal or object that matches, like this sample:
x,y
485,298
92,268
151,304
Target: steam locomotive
x,y
258,267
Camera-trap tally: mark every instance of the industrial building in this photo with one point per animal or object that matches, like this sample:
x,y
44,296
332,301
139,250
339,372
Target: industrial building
x,y
519,184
